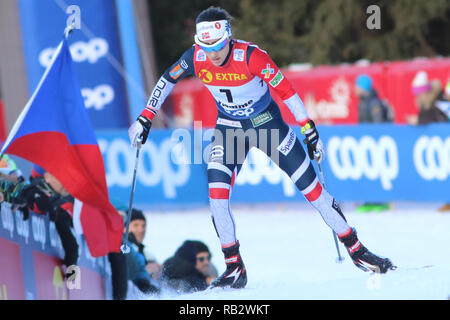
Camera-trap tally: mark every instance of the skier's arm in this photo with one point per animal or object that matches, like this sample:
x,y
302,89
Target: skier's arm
x,y
181,69
261,65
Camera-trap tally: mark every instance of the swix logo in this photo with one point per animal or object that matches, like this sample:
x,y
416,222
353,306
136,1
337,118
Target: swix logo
x,y
352,159
432,157
90,51
98,97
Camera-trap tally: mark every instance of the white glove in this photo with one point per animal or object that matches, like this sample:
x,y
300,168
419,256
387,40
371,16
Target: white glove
x,y
319,153
135,132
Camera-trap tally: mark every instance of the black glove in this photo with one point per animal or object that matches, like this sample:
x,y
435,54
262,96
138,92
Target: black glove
x,y
38,195
146,124
312,141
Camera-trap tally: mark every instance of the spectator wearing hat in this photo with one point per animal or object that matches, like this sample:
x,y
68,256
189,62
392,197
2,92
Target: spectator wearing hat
x,y
190,268
137,231
443,105
371,109
135,262
426,94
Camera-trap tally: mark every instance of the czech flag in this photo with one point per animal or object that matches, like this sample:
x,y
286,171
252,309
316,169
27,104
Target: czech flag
x,y
54,131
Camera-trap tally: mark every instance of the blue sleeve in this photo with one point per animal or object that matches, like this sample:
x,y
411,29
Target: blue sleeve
x,y
184,67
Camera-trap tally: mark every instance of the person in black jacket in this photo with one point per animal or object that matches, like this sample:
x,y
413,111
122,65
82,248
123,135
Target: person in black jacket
x,y
138,229
190,268
371,109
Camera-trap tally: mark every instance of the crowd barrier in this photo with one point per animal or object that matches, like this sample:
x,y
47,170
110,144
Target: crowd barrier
x,y
31,262
363,163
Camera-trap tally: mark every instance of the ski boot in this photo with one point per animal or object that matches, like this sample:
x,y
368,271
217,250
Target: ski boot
x,y
363,258
235,276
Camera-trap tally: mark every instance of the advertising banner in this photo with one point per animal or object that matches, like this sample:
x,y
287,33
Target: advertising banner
x,y
31,262
327,91
95,49
363,163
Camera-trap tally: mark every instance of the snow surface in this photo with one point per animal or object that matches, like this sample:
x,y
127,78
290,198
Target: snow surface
x,y
289,252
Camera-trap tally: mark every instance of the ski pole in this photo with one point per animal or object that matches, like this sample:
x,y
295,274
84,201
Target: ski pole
x,y
124,247
340,258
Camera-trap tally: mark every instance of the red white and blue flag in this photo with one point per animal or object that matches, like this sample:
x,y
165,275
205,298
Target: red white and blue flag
x,y
54,131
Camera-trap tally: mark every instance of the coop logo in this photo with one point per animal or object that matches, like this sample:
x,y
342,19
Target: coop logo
x,y
352,159
155,165
432,157
81,51
98,97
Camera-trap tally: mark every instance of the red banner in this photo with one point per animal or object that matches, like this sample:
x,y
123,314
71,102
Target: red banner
x,y
51,284
327,91
11,278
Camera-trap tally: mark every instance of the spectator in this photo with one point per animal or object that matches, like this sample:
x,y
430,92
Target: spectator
x,y
443,101
49,195
138,229
11,181
426,94
190,269
136,267
432,102
371,109
9,170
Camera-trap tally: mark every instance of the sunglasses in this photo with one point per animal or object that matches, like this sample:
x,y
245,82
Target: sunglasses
x,y
217,47
203,258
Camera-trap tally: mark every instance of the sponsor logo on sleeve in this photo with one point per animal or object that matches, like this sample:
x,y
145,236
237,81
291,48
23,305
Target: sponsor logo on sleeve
x,y
267,71
277,79
176,72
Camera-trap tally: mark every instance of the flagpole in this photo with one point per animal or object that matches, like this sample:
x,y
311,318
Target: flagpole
x,y
67,31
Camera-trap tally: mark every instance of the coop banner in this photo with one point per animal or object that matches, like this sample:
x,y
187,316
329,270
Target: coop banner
x,y
95,49
362,163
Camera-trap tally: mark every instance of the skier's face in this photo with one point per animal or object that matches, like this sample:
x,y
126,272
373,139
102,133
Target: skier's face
x,y
218,57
